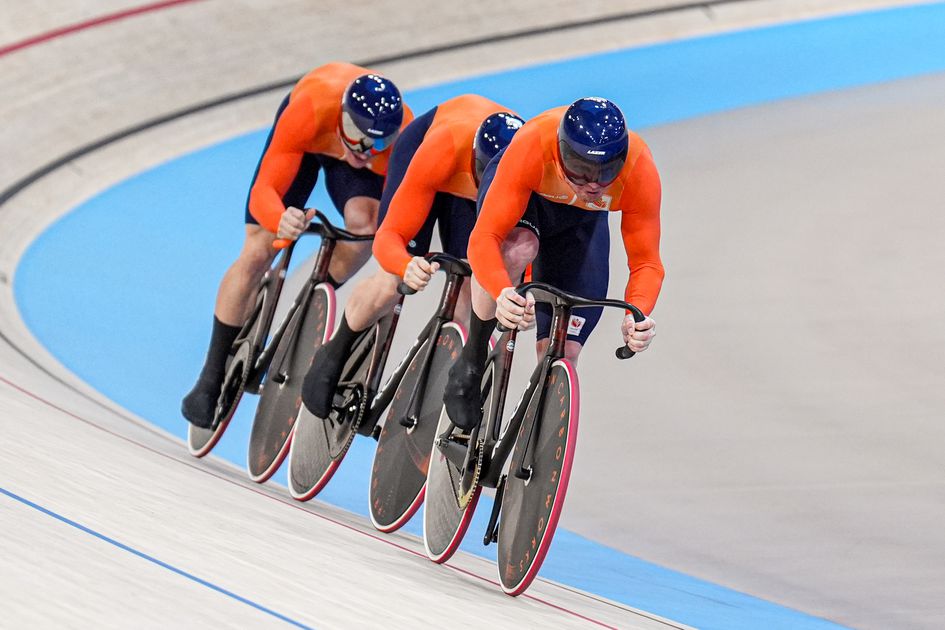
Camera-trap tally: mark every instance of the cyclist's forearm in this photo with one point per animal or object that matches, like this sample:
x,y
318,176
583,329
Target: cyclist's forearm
x,y
485,258
390,249
266,207
643,289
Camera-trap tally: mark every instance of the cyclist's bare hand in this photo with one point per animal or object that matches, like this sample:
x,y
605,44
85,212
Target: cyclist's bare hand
x,y
514,310
638,336
294,222
418,273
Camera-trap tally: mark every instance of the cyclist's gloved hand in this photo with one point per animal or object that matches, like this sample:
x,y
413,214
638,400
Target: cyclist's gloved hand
x,y
638,336
293,223
514,310
418,273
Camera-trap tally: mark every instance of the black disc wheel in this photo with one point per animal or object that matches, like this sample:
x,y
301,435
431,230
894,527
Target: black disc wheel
x,y
318,444
239,366
281,396
452,491
201,441
531,506
402,458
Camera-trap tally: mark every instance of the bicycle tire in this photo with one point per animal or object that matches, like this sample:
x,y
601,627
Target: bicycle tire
x,y
531,508
402,457
318,445
279,403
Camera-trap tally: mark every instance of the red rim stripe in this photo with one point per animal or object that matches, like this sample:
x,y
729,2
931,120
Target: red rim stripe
x,y
101,20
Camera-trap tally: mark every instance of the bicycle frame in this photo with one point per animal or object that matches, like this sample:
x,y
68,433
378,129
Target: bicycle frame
x,y
426,340
498,447
319,274
275,279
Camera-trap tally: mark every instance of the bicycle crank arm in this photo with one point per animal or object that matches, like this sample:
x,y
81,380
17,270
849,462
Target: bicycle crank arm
x,y
455,452
492,529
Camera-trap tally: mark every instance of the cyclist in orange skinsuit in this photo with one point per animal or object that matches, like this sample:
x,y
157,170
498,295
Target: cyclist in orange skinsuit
x,y
433,179
341,119
555,185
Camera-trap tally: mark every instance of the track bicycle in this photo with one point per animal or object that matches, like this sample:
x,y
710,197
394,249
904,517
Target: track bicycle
x,y
538,443
308,323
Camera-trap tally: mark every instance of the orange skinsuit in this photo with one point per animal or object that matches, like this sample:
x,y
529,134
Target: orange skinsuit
x,y
441,164
309,124
530,166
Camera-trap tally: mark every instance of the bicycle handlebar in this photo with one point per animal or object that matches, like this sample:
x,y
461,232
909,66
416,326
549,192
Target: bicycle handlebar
x,y
326,229
547,293
448,263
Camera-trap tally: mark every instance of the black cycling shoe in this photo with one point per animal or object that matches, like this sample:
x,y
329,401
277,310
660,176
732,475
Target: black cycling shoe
x,y
463,395
200,404
318,388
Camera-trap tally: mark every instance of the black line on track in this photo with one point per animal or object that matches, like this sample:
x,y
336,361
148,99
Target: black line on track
x,y
18,186
31,178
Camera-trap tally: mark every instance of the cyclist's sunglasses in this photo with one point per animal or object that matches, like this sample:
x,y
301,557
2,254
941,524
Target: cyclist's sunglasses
x,y
582,172
360,142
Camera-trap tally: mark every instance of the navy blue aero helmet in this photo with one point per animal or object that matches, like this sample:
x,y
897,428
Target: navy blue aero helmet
x,y
592,141
372,111
493,135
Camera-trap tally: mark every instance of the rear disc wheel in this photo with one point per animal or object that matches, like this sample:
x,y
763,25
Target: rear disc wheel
x,y
451,493
319,444
201,441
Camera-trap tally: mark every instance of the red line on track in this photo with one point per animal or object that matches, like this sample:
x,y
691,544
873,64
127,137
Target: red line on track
x,y
293,505
90,23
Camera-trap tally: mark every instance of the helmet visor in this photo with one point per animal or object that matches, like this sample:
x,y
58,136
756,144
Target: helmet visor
x,y
581,171
360,142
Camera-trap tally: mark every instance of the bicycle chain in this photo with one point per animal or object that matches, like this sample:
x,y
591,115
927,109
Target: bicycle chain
x,y
463,500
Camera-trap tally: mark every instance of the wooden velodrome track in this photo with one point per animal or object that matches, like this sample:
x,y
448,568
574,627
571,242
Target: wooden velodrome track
x,y
798,404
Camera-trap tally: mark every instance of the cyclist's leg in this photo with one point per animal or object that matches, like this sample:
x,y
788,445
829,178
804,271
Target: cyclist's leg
x,y
462,395
574,257
356,194
375,295
237,292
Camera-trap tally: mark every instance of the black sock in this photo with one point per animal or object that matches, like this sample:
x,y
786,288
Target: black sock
x,y
344,337
221,338
477,346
